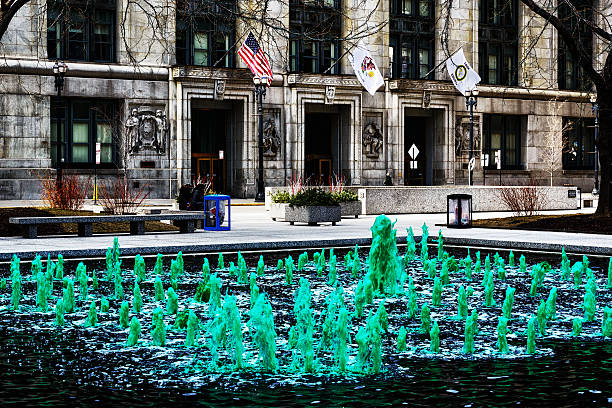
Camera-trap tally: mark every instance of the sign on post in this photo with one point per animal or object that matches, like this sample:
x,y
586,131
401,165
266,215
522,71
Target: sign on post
x,y
413,164
472,163
498,159
98,152
413,152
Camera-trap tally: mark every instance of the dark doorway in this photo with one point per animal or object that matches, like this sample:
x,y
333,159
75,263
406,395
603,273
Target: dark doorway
x,y
321,136
416,131
209,133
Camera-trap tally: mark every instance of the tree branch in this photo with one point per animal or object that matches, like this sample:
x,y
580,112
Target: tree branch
x,y
585,60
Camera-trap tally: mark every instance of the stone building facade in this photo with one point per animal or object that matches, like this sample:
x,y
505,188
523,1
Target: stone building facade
x,y
171,102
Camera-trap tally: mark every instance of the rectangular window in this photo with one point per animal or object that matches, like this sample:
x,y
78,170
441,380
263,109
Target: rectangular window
x,y
411,39
82,124
570,74
315,38
498,42
578,144
503,133
205,33
81,30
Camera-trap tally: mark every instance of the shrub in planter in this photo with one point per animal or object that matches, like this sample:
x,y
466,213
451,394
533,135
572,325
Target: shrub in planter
x,y
313,197
345,196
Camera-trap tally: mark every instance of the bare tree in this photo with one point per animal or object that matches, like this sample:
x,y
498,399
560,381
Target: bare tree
x,y
550,154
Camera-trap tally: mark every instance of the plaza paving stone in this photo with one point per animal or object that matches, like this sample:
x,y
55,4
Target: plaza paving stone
x,y
252,229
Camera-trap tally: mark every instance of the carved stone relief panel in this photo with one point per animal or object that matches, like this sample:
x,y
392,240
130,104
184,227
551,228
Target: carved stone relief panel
x,y
462,136
272,139
147,131
372,137
330,94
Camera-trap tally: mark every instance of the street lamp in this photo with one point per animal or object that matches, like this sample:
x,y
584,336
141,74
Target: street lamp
x,y
59,71
261,83
471,100
595,109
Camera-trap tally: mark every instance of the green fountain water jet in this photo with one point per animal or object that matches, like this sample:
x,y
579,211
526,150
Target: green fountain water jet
x,y
193,328
341,332
501,270
254,289
531,336
41,292
424,238
160,296
462,306
158,329
134,334
609,285
36,266
59,267
137,302
242,269
538,273
434,338
261,266
280,265
502,331
220,263
436,293
606,323
383,261
172,303
92,317
139,268
410,247
467,262
3,284
590,300
332,275
261,324
487,269
565,265
577,274
369,354
158,269
401,339
508,302
94,280
541,318
68,296
289,270
118,281
489,290
234,327
440,245
124,313
104,304
360,299
471,328
302,261
175,270
59,313
304,357
412,300
511,259
551,305
206,269
425,319
334,301
444,278
83,280
214,302
576,326
232,270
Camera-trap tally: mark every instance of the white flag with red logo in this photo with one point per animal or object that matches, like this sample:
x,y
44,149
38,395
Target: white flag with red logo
x,y
366,69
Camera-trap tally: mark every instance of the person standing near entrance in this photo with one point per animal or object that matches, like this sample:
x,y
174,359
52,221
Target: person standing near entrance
x,y
388,181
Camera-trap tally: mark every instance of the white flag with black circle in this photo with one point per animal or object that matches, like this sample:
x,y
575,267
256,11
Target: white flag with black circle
x,y
462,74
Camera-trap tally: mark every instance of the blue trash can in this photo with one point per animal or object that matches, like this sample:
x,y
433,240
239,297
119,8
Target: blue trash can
x,y
217,212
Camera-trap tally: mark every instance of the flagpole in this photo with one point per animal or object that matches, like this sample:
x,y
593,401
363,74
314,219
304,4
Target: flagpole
x,y
440,64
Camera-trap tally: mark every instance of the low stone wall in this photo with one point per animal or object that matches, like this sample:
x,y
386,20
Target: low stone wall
x,y
432,199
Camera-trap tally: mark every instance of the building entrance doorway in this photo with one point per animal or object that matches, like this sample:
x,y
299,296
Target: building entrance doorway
x,y
209,134
327,144
418,136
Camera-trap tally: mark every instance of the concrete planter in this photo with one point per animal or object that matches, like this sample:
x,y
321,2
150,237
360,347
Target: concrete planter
x,y
277,211
313,214
351,208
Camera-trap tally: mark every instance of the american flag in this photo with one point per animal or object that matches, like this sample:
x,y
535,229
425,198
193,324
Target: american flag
x,y
254,57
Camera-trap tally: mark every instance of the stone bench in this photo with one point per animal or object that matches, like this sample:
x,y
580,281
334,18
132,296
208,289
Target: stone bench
x,y
186,221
